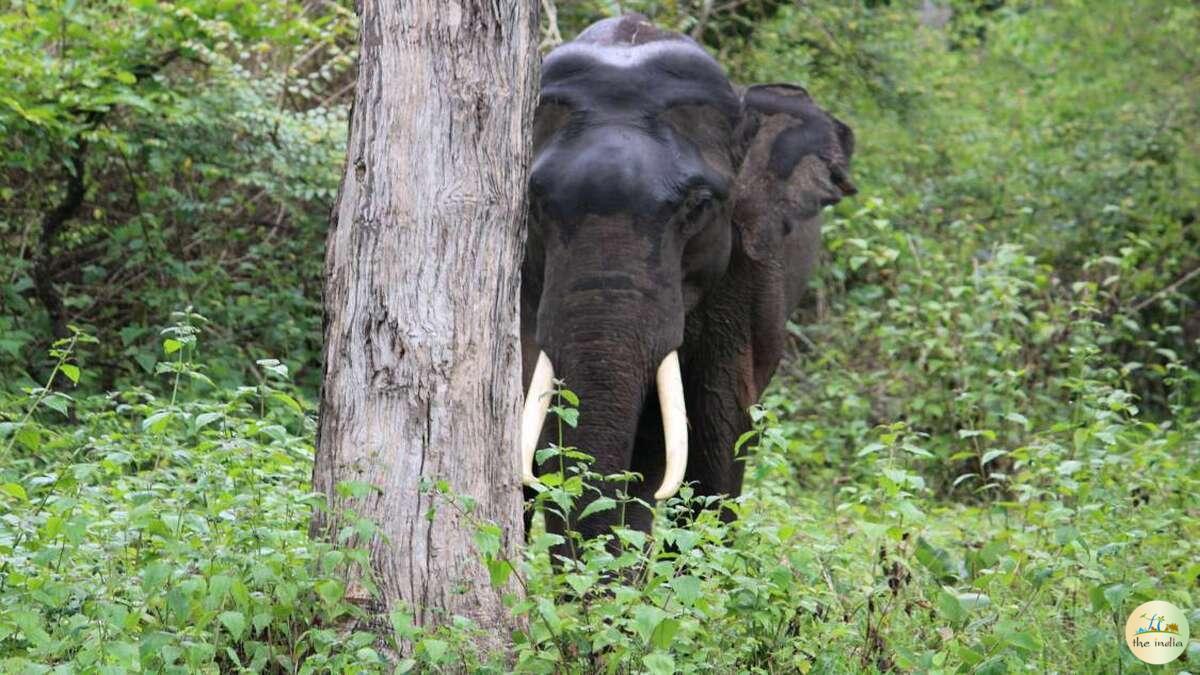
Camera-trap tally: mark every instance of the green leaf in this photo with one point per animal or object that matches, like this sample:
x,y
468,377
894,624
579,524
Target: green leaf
x,y
580,583
274,367
1069,467
200,377
659,663
330,590
687,589
746,436
549,614
205,419
938,561
569,396
949,606
598,505
171,345
402,624
14,490
991,455
487,539
434,649
973,601
570,416
1023,640
155,575
30,623
664,634
71,371
288,401
58,403
645,619
1115,595
234,622
29,436
499,571
634,538
157,422
1018,418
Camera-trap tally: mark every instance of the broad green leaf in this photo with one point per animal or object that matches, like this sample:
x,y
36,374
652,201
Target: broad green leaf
x,y
58,403
434,649
949,606
596,506
157,422
972,601
645,619
14,490
71,371
205,419
991,455
499,571
659,663
664,634
234,622
155,575
687,589
330,590
288,401
580,583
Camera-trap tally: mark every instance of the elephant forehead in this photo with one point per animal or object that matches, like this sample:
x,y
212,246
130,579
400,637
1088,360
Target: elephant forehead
x,y
649,77
628,55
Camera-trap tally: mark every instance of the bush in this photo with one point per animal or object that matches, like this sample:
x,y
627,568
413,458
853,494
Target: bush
x,y
983,453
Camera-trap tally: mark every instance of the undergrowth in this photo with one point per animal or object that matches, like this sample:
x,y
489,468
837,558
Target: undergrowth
x,y
982,453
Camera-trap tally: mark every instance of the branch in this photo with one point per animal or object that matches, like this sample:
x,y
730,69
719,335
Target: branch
x,y
702,20
52,224
1174,286
553,36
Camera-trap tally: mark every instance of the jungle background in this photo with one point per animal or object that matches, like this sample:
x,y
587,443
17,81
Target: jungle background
x,y
981,455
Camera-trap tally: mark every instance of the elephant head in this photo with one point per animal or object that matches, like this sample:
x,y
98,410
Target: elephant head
x,y
673,222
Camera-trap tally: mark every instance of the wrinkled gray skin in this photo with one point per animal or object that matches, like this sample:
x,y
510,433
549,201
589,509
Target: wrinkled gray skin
x,y
669,211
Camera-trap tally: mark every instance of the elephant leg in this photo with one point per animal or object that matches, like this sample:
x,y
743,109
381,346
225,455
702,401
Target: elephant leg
x,y
715,469
719,418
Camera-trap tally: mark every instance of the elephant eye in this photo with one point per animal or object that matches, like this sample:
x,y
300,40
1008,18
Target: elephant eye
x,y
693,210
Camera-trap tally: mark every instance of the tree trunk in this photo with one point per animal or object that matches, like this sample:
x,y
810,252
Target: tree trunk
x,y
422,359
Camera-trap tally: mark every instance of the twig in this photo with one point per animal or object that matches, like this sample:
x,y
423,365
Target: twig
x,y
337,94
1166,291
553,36
702,20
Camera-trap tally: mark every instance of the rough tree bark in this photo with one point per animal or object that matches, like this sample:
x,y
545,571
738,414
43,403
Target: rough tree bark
x,y
422,360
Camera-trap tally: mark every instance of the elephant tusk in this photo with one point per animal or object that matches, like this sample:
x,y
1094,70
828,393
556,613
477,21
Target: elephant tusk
x,y
674,419
537,403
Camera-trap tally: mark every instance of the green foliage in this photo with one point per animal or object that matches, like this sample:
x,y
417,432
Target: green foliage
x,y
170,533
164,154
983,453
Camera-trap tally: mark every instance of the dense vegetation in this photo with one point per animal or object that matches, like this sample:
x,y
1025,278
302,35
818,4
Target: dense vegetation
x,y
983,453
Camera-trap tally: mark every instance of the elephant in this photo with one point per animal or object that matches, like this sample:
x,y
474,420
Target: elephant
x,y
674,222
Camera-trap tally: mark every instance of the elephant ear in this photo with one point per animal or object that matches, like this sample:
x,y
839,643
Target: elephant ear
x,y
795,159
